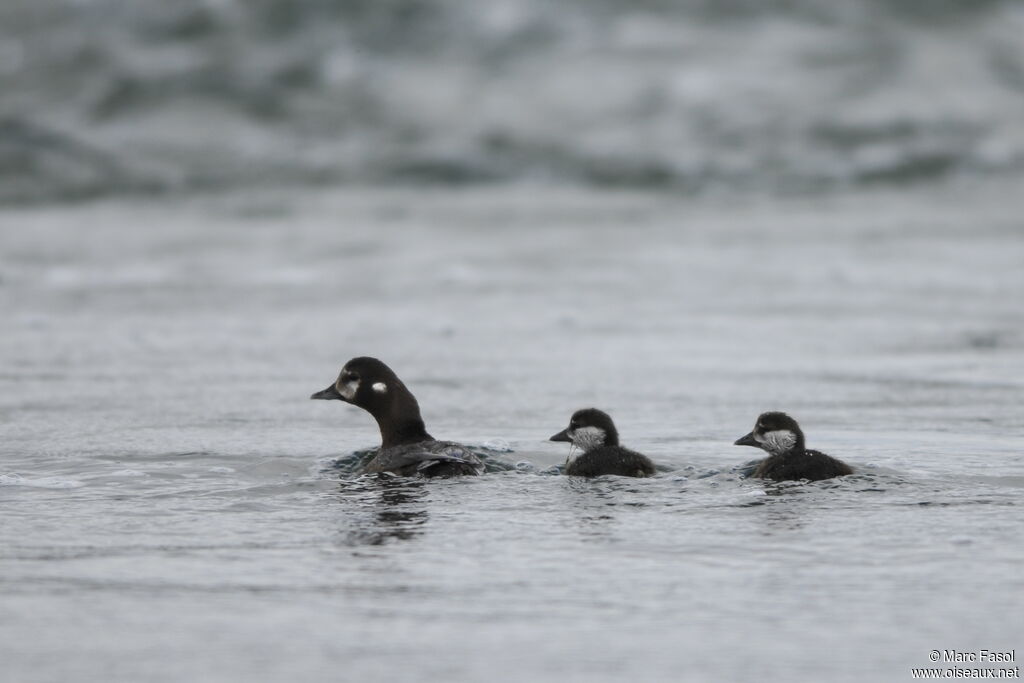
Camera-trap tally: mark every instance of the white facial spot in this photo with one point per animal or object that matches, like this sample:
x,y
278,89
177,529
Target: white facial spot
x,y
380,387
587,438
348,389
778,441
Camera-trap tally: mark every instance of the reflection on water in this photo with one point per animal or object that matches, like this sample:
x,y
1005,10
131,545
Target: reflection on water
x,y
588,510
591,504
779,514
386,507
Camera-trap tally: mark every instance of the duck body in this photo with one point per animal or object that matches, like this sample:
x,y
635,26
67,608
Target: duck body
x,y
610,460
806,464
427,458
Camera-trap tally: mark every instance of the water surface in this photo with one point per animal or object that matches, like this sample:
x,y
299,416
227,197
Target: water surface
x,y
174,508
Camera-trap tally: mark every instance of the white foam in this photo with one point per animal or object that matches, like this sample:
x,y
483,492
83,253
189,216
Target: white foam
x,y
128,473
39,482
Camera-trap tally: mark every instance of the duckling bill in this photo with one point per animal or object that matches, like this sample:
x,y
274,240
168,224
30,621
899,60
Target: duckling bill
x,y
406,448
593,432
788,459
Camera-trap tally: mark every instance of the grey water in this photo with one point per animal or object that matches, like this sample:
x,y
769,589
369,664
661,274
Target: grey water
x,y
682,213
175,508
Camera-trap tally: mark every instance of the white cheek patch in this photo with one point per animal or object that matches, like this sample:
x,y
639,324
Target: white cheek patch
x,y
348,389
380,387
779,441
587,438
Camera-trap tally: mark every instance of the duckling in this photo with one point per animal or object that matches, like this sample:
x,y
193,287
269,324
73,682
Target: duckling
x,y
593,432
781,437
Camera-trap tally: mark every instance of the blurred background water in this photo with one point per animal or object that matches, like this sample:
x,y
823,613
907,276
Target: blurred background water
x,y
683,213
112,96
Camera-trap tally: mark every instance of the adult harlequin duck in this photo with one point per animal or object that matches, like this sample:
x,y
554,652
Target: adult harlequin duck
x,y
406,447
594,433
781,437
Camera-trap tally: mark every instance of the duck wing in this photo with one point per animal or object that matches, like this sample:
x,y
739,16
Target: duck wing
x,y
429,458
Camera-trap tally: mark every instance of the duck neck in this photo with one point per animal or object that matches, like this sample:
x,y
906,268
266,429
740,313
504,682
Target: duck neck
x,y
401,423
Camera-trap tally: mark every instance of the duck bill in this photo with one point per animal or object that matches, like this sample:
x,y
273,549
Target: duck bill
x,y
561,436
747,440
329,394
